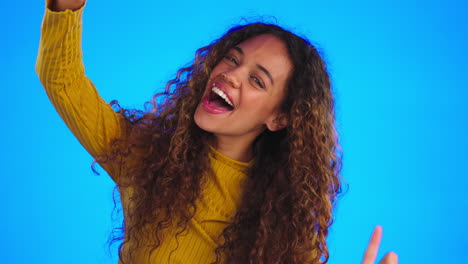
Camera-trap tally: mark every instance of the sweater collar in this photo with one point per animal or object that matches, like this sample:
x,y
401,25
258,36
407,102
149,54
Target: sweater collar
x,y
238,165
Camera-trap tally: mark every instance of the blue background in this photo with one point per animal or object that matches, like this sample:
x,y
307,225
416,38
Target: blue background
x,y
399,71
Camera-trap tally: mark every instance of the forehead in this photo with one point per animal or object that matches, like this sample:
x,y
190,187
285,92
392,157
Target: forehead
x,y
269,52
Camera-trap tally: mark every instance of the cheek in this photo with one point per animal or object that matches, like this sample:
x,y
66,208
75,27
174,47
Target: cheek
x,y
259,106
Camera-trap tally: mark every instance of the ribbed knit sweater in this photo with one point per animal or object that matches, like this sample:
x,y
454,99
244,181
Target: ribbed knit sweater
x,y
94,123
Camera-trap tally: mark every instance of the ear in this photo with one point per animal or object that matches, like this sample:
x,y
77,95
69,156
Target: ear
x,y
277,122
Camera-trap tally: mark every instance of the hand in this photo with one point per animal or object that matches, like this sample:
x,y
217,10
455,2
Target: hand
x,y
373,247
62,5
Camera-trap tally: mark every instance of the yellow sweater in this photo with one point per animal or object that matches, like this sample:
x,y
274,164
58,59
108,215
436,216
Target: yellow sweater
x,y
95,124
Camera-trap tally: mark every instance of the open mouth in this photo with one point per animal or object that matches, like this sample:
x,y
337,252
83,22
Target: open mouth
x,y
218,99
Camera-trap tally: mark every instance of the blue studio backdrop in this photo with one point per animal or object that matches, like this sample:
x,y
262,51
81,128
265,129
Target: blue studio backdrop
x,y
399,75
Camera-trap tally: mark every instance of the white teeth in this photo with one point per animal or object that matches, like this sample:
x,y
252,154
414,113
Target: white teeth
x,y
219,92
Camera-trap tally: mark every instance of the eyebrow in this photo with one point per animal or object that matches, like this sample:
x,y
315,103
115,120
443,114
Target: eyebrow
x,y
263,69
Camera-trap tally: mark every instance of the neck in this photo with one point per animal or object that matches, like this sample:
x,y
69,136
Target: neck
x,y
234,147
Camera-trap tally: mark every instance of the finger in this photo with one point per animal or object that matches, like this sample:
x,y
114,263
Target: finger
x,y
371,252
390,258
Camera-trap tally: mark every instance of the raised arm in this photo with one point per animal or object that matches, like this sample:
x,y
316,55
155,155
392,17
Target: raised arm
x,y
61,71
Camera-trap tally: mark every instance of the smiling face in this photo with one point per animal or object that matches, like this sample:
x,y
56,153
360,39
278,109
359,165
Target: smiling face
x,y
243,95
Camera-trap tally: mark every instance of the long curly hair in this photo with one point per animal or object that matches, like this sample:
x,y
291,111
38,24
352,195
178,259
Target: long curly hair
x,y
287,205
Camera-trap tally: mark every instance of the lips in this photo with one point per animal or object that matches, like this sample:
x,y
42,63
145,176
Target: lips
x,y
222,88
213,106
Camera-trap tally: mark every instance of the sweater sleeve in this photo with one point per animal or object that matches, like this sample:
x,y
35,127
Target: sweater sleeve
x,y
61,71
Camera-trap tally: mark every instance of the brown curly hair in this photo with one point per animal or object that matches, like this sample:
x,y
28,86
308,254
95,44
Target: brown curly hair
x,y
287,206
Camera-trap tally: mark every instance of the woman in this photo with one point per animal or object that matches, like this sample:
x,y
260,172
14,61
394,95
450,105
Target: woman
x,y
238,164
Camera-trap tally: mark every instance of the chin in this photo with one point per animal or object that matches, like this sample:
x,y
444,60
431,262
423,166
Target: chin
x,y
207,123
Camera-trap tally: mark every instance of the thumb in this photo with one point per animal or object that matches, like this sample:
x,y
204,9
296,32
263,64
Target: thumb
x,y
389,258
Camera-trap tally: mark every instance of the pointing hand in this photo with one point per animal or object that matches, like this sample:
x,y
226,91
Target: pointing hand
x,y
373,248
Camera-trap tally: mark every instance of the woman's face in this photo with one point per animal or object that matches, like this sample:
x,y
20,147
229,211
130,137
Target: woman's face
x,y
244,92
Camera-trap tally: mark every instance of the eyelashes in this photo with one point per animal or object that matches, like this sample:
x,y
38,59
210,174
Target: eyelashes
x,y
257,80
231,59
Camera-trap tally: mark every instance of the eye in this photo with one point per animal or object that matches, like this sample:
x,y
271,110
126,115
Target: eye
x,y
231,59
257,81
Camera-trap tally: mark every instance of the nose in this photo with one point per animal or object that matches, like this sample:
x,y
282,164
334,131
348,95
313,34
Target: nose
x,y
231,79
